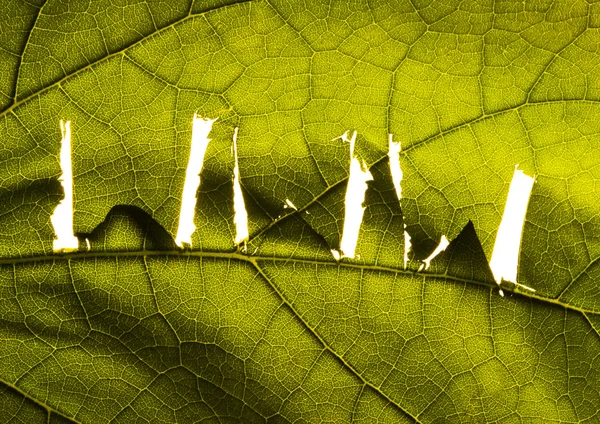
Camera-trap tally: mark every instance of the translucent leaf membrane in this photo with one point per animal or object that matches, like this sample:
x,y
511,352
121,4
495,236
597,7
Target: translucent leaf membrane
x,y
135,329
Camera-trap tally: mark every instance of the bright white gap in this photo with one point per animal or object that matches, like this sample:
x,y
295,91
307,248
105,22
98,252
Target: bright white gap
x,y
201,128
407,246
394,149
505,256
241,215
394,155
62,218
289,204
355,196
439,249
336,254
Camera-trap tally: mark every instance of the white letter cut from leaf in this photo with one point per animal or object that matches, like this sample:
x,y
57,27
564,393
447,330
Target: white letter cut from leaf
x,y
355,196
395,170
505,256
241,215
394,149
201,128
62,218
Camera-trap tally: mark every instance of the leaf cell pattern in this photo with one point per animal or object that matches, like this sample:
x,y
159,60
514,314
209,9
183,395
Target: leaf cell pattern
x,y
137,330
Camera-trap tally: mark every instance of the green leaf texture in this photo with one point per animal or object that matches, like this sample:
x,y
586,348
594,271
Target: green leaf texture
x,y
137,330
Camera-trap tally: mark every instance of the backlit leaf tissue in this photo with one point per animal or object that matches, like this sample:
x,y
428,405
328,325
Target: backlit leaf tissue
x,y
299,211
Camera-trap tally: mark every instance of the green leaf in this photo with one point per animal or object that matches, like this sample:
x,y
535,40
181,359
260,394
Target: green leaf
x,y
135,329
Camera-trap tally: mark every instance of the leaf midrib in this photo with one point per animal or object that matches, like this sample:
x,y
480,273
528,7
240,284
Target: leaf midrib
x,y
255,259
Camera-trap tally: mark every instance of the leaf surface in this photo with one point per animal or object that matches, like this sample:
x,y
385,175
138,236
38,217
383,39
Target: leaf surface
x,y
136,329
